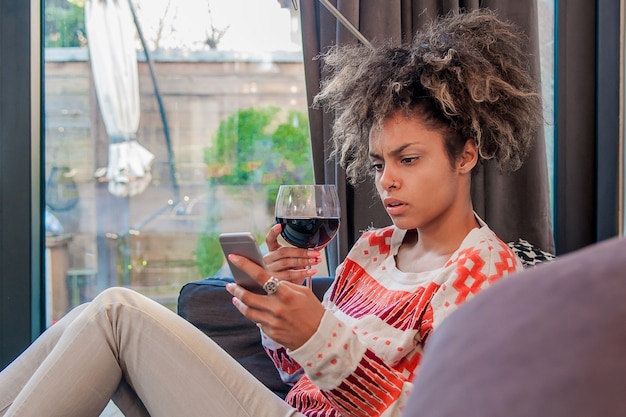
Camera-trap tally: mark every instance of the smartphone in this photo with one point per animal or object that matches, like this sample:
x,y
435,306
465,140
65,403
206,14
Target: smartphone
x,y
243,244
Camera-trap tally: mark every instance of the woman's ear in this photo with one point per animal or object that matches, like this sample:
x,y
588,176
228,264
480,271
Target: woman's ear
x,y
469,157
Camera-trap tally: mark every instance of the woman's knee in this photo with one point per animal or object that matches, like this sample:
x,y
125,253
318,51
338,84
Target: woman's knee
x,y
118,295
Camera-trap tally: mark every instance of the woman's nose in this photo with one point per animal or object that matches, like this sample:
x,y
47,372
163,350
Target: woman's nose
x,y
387,179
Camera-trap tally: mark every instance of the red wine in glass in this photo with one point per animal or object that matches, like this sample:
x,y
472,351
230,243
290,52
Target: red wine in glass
x,y
310,233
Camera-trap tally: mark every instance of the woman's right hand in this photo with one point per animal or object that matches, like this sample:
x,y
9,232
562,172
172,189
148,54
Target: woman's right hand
x,y
289,263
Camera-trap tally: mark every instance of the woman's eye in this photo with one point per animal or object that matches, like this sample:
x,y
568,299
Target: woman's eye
x,y
377,167
409,160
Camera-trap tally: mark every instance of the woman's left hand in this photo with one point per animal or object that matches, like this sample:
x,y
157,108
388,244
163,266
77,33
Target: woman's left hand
x,y
289,316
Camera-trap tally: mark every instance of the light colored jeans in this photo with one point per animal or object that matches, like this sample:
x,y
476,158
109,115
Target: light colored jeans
x,y
125,346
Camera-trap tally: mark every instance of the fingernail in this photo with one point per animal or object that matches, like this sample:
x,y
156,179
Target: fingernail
x,y
313,254
235,301
311,272
314,261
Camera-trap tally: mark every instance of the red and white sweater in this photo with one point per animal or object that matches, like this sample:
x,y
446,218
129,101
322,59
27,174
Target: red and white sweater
x,y
367,349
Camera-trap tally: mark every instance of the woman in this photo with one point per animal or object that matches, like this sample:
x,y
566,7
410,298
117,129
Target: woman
x,y
420,118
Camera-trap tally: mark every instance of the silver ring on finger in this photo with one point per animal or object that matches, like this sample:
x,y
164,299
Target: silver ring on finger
x,y
271,285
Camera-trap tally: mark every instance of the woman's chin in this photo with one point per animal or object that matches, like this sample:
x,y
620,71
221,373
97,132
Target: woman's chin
x,y
403,223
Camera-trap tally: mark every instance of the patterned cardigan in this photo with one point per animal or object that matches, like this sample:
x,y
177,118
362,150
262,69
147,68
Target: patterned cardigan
x,y
367,349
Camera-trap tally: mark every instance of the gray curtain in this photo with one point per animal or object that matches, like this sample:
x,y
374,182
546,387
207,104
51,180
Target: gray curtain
x,y
514,205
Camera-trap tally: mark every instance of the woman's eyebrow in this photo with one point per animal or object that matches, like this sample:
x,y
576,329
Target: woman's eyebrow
x,y
393,152
373,155
400,149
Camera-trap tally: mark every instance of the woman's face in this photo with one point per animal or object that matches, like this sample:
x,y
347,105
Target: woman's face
x,y
414,177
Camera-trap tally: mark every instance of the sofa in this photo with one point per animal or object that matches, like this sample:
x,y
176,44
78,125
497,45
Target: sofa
x,y
206,304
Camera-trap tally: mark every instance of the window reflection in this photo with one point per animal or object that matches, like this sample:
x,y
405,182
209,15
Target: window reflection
x,y
547,51
222,115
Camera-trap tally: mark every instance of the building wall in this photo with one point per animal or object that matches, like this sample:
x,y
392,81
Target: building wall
x,y
198,91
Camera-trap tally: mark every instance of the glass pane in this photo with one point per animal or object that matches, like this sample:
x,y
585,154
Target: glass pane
x,y
141,175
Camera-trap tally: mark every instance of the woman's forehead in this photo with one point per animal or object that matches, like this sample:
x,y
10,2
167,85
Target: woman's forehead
x,y
403,132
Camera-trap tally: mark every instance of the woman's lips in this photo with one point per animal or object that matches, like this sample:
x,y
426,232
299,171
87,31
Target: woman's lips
x,y
395,207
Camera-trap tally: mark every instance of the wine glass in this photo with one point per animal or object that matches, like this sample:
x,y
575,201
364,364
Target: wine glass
x,y
309,215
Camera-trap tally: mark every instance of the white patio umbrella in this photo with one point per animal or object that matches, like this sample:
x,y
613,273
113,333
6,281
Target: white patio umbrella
x,y
111,38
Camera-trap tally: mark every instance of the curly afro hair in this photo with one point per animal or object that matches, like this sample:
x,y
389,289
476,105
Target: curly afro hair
x,y
465,74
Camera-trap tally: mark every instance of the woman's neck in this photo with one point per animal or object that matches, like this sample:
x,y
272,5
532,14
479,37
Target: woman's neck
x,y
430,248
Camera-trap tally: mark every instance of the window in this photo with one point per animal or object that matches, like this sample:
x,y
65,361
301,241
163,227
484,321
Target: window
x,y
139,183
67,131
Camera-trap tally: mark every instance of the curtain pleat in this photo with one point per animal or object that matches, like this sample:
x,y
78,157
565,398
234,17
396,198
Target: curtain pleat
x,y
514,205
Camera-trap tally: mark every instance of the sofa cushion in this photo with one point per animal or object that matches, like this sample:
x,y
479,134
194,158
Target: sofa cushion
x,y
529,254
207,305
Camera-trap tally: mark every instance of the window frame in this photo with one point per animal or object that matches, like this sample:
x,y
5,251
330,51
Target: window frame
x,y
21,255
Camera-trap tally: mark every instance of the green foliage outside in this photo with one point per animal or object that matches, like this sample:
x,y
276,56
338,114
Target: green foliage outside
x,y
261,147
257,147
209,257
64,24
